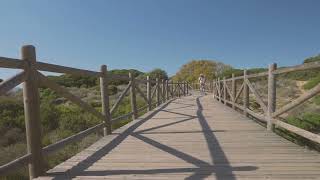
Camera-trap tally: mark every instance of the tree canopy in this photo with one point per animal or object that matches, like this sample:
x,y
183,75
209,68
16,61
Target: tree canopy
x,y
191,71
157,73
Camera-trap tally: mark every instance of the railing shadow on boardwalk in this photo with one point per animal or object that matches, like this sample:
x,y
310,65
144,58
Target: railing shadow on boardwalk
x,y
219,166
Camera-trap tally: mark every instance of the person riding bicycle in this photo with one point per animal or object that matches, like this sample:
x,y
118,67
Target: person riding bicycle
x,y
202,81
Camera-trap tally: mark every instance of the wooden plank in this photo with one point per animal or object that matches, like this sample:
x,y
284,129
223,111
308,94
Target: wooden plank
x,y
272,97
141,94
169,146
141,81
239,92
105,99
246,96
309,135
234,90
158,92
119,77
306,66
66,94
142,108
31,101
66,70
12,82
133,98
239,106
119,118
229,92
307,95
153,92
163,90
52,148
258,97
224,86
149,93
118,101
261,117
12,63
15,164
253,75
258,75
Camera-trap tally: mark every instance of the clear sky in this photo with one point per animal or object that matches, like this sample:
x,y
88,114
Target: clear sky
x,y
146,34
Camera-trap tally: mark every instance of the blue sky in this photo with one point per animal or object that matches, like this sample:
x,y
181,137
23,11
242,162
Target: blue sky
x,y
146,34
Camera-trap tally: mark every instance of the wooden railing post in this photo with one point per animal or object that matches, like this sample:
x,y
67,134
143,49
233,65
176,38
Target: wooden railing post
x,y
271,95
163,90
167,90
184,88
179,89
158,91
187,88
224,90
105,100
213,88
31,101
172,89
245,93
133,97
233,91
220,94
149,93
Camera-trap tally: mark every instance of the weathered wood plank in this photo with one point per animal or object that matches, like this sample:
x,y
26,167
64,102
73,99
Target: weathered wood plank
x,y
66,70
71,139
193,136
12,63
258,97
118,101
307,95
239,92
12,82
141,94
299,131
306,66
15,164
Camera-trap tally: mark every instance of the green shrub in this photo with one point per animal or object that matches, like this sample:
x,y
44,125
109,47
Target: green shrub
x,y
11,113
312,82
75,119
316,100
308,121
112,89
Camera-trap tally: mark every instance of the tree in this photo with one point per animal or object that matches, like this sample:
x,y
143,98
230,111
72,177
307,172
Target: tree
x,y
191,71
158,73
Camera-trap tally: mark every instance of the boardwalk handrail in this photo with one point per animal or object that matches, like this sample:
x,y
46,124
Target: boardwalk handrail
x,y
270,114
32,79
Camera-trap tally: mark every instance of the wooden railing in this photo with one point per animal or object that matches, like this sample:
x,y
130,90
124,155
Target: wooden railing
x,y
32,79
270,114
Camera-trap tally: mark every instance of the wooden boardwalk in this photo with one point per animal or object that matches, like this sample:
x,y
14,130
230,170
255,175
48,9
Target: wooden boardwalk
x,y
191,138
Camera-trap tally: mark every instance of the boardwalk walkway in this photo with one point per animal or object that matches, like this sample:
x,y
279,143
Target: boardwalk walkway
x,y
191,138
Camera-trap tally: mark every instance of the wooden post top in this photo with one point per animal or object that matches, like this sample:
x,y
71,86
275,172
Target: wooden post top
x,y
28,53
